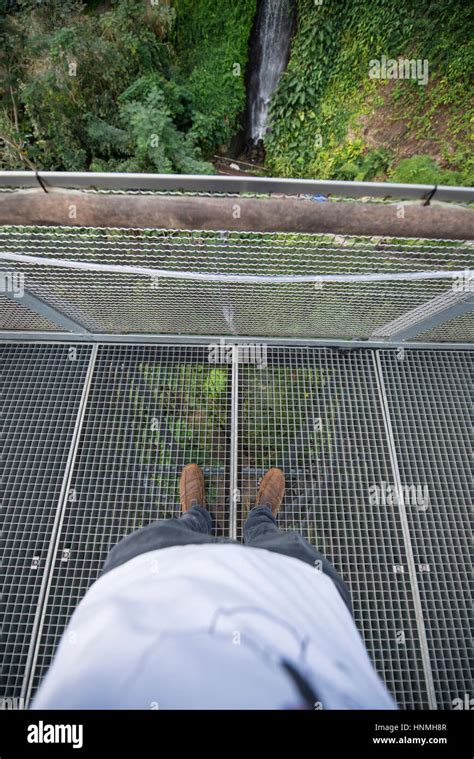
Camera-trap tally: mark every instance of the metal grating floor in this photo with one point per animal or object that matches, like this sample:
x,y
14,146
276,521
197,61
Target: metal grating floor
x,y
346,426
41,394
150,411
429,400
317,415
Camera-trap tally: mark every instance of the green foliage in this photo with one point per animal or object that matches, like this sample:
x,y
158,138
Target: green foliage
x,y
95,90
216,383
212,41
134,86
148,138
326,95
361,166
421,169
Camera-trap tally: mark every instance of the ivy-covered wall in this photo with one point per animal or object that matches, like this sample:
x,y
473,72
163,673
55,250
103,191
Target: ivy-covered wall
x,y
212,44
329,119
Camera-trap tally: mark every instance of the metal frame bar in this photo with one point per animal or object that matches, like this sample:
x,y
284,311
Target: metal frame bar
x,y
224,184
411,276
406,533
434,313
21,336
234,447
49,312
55,535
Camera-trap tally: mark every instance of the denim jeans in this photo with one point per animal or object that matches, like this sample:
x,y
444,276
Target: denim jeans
x,y
194,527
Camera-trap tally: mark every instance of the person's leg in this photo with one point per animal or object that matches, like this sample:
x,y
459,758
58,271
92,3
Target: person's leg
x,y
261,531
192,527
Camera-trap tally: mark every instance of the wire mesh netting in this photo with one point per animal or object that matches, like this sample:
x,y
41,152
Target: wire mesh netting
x,y
317,415
450,331
429,398
41,392
234,283
15,316
150,412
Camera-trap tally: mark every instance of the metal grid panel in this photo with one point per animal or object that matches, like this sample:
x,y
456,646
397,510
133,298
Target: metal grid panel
x,y
317,415
315,412
41,389
129,302
15,316
150,411
429,401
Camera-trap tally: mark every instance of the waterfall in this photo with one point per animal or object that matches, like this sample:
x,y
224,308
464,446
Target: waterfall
x,y
269,57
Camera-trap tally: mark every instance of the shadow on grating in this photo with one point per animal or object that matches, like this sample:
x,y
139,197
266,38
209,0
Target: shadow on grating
x,y
429,400
41,391
151,410
317,415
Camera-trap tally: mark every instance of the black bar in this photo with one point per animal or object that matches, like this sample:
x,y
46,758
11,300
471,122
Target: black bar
x,y
329,732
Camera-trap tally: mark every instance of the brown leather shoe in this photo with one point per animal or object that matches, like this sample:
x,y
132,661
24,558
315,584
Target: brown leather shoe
x,y
191,487
272,490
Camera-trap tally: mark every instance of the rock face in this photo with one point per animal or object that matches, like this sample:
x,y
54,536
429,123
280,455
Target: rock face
x,y
269,57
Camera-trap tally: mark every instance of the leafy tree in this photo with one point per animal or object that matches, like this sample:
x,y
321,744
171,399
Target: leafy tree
x,y
84,90
212,42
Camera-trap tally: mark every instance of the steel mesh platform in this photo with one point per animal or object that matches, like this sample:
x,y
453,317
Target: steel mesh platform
x,y
42,388
429,398
317,415
346,427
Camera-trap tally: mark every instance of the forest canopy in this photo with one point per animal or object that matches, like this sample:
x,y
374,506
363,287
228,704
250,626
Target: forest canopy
x,y
120,87
160,86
